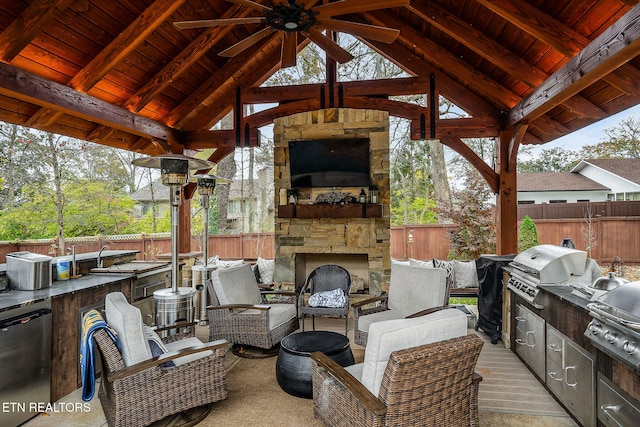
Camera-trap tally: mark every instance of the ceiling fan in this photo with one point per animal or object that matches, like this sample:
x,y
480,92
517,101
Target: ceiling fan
x,y
303,16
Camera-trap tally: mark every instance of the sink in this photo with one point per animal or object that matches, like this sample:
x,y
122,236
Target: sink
x,y
134,267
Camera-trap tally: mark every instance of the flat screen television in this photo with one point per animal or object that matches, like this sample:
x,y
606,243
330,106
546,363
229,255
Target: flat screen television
x,y
329,163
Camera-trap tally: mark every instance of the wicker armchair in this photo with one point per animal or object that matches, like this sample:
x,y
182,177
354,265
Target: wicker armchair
x,y
413,291
326,278
241,314
138,393
431,384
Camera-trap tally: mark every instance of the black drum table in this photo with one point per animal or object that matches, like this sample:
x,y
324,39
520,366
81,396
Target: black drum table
x,y
293,367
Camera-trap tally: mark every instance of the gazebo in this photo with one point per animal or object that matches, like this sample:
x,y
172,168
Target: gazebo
x,y
123,74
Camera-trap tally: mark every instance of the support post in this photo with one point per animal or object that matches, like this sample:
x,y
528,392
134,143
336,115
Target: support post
x,y
507,196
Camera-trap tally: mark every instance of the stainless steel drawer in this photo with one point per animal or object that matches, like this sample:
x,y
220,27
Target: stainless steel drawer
x,y
615,409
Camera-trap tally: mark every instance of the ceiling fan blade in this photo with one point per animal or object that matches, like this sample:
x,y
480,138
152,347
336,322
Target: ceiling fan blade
x,y
371,32
183,25
344,7
251,4
289,50
248,42
332,48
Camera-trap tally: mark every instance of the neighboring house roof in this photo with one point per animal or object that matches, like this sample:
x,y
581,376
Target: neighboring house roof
x,y
143,194
556,181
628,169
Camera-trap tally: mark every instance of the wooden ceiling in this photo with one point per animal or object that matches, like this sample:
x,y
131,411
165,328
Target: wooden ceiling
x,y
119,73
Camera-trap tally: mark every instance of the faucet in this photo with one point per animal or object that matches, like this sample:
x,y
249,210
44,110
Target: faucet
x,y
100,254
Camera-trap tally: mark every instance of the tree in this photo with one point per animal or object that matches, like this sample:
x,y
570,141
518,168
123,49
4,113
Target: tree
x,y
17,160
474,217
623,141
549,160
528,236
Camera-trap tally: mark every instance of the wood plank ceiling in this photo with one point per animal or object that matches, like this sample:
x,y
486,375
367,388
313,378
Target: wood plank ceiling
x,y
119,73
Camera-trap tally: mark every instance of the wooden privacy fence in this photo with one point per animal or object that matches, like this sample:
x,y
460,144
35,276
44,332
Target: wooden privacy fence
x,y
233,246
611,237
579,210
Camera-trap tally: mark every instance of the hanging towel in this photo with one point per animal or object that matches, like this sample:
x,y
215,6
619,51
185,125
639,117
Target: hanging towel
x,y
91,322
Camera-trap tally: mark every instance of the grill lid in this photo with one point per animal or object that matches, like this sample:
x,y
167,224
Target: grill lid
x,y
551,263
625,298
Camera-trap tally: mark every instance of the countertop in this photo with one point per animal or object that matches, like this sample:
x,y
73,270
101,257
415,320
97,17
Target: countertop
x,y
563,293
11,298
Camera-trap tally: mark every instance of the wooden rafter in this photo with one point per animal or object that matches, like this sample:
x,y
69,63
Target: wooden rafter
x,y
558,36
613,48
497,54
28,25
457,145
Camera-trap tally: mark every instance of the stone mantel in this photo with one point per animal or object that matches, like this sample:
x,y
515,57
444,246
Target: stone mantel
x,y
367,236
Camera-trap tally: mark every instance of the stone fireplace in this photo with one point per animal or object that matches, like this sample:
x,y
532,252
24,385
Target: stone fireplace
x,y
354,236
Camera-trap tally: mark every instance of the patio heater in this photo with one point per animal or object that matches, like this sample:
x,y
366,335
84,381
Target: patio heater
x,y
206,186
176,303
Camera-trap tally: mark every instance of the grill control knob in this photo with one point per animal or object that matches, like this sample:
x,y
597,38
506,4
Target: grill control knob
x,y
629,346
595,327
610,336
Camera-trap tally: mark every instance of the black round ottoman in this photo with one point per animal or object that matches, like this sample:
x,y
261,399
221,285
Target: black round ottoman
x,y
293,367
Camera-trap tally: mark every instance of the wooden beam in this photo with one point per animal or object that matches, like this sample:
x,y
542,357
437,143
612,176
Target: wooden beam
x,y
221,139
449,88
127,41
22,30
252,70
223,81
382,87
457,145
497,54
36,90
613,48
185,59
507,198
466,74
560,37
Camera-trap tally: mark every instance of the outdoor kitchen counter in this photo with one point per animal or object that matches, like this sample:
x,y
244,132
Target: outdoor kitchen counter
x,y
11,299
563,293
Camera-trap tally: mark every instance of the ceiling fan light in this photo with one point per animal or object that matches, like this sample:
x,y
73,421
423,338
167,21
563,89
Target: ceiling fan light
x,y
291,25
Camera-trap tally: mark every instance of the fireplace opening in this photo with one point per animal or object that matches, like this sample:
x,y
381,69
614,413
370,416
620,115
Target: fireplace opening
x,y
356,264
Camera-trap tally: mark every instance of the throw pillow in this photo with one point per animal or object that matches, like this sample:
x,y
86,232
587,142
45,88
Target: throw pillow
x,y
421,263
447,266
465,274
334,299
267,267
256,272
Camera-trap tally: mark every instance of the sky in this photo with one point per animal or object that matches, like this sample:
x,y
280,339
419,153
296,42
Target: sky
x,y
592,134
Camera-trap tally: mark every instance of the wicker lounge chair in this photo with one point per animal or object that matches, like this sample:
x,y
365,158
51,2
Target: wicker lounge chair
x,y
241,314
413,291
431,384
145,389
326,278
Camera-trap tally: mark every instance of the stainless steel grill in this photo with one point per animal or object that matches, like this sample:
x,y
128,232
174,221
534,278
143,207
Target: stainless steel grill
x,y
615,324
544,265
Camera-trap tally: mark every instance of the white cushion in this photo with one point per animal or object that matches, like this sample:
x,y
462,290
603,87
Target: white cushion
x,y
185,343
355,370
126,320
392,335
266,268
398,262
278,314
236,285
465,274
365,321
415,288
